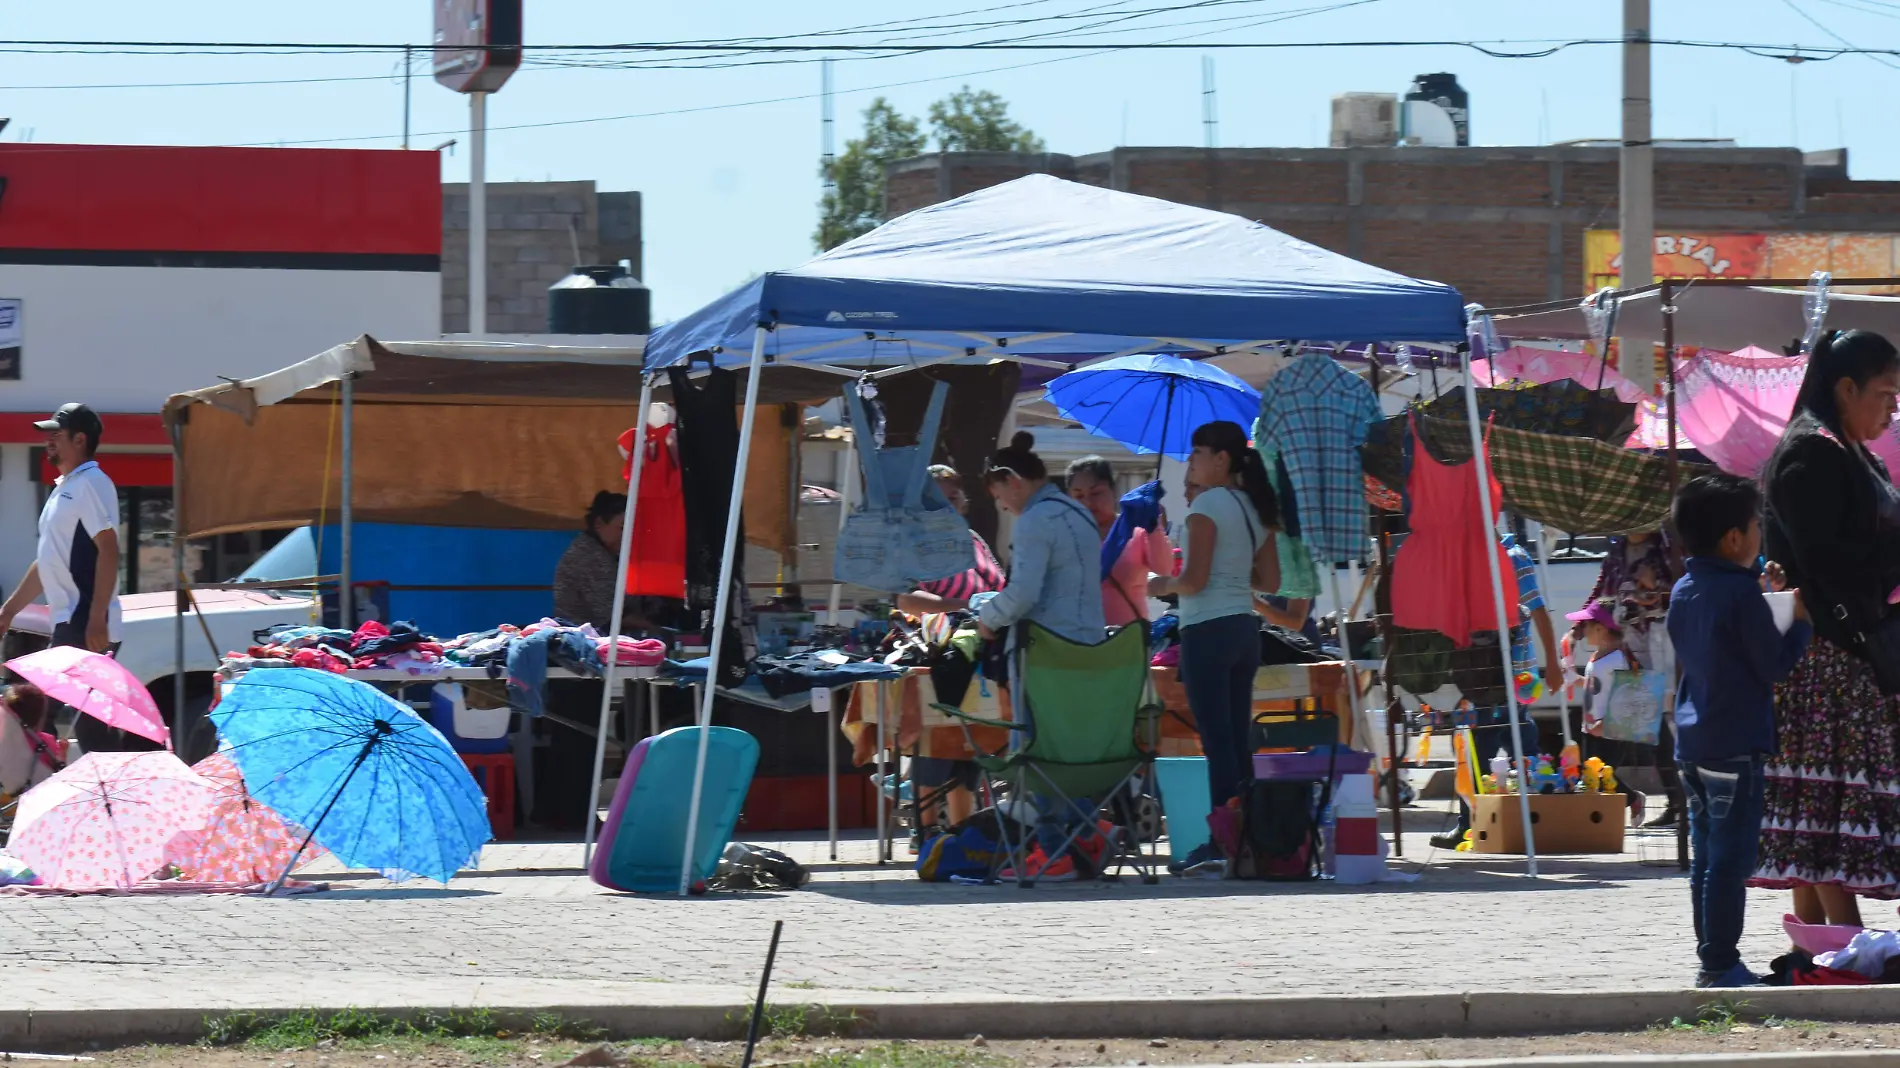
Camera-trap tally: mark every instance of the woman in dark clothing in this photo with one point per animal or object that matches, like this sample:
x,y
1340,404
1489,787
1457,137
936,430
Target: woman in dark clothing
x,y
1833,523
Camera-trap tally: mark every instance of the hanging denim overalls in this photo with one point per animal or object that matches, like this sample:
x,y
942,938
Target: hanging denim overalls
x,y
905,532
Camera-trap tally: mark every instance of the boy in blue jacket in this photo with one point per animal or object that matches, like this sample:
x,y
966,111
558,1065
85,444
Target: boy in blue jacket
x,y
1731,654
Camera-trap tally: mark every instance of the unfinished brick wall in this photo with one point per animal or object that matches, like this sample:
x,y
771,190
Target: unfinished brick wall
x,y
537,232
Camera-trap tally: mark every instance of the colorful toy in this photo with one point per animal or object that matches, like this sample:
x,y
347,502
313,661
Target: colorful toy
x,y
1593,775
1572,770
1608,782
1529,687
1501,771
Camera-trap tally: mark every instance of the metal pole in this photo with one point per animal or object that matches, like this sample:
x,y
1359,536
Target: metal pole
x,y
722,604
478,213
1667,307
182,602
847,483
831,766
1543,584
1481,466
346,512
620,603
1636,184
884,773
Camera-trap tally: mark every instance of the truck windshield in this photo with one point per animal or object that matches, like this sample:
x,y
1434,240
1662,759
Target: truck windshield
x,y
293,558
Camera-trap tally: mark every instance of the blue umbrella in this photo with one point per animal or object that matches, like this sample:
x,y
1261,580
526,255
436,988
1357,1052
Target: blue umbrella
x,y
367,778
1153,403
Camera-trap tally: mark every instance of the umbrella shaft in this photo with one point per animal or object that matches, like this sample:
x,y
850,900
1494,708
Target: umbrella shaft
x,y
325,814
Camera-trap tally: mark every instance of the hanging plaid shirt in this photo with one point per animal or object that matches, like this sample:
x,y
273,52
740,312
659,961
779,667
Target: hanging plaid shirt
x,y
1315,413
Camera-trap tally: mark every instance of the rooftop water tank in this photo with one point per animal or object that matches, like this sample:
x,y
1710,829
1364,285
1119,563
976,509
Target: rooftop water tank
x,y
599,299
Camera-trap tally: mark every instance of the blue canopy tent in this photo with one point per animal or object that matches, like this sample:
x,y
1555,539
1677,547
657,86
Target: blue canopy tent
x,y
1039,270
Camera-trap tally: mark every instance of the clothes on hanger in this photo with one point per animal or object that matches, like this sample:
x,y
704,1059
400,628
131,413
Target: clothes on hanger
x,y
1441,580
657,567
905,531
1315,414
707,432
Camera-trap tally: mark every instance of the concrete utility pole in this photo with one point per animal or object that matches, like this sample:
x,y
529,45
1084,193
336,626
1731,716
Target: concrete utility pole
x,y
1636,187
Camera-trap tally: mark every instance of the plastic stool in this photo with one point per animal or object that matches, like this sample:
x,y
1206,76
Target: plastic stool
x,y
495,774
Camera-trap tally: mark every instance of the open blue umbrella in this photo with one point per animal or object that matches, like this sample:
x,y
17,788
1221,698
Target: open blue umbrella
x,y
1152,403
365,776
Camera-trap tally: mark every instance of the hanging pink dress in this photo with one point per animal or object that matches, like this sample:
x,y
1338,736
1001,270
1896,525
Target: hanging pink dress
x,y
1440,580
658,567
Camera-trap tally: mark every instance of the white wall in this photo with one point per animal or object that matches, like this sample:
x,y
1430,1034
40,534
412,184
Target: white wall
x,y
122,339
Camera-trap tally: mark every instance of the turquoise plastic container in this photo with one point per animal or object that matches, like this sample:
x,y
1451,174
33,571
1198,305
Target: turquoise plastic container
x,y
1185,801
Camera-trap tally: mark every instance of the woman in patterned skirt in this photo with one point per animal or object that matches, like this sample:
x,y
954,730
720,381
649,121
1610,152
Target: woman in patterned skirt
x,y
1832,814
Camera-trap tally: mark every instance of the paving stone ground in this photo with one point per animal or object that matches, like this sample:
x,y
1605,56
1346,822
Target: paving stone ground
x,y
529,928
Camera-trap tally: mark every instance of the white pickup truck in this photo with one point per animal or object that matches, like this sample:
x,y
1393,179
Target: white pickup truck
x,y
225,620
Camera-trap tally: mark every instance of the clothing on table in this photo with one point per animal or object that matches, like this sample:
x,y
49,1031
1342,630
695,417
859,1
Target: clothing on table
x,y
1299,577
1440,578
1054,571
986,577
1315,414
656,566
375,639
782,676
1125,590
1833,806
80,507
707,432
530,657
1237,535
1832,520
1725,814
1732,655
1219,658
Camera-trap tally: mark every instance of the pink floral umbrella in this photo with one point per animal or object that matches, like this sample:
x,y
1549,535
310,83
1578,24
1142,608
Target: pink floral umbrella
x,y
106,819
97,686
242,840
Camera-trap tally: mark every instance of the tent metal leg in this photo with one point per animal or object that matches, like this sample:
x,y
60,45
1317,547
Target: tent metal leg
x,y
620,604
723,602
182,602
847,483
1482,468
884,772
831,767
346,511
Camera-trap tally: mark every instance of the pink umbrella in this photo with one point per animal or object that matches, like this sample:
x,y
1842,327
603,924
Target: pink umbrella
x,y
105,820
96,685
1521,363
242,840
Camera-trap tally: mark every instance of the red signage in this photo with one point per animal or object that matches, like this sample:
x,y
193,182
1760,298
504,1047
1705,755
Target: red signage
x,y
477,43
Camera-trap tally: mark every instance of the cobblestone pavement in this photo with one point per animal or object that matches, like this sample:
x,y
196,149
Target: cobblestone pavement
x,y
529,928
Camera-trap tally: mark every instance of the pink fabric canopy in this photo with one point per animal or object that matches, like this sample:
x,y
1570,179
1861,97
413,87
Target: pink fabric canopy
x,y
1520,363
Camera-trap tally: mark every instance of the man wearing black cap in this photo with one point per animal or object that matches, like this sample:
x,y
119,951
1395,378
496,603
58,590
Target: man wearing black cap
x,y
77,566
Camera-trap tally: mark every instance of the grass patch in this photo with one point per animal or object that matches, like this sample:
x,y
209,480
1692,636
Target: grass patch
x,y
476,1032
907,1055
801,1021
1718,1017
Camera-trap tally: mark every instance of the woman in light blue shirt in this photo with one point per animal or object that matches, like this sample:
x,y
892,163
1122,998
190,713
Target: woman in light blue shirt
x,y
1230,553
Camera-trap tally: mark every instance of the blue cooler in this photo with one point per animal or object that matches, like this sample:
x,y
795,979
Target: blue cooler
x,y
1185,801
469,730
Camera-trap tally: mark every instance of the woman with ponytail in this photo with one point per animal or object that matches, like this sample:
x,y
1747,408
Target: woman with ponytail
x,y
1230,554
1831,796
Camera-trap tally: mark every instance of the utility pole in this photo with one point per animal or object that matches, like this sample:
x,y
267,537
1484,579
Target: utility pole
x,y
1210,111
408,67
477,213
825,125
1636,186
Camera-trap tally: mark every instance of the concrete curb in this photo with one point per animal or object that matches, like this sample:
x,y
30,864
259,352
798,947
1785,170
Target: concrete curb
x,y
1862,1059
920,1016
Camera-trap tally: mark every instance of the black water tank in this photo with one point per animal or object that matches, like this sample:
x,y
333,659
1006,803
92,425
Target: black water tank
x,y
1444,90
601,299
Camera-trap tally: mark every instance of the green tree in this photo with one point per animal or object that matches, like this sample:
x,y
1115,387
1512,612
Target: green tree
x,y
855,203
968,121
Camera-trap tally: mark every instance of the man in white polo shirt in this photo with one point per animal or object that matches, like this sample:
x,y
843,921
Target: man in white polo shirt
x,y
77,567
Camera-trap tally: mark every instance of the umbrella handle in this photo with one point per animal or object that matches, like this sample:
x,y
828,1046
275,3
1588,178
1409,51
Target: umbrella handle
x,y
278,882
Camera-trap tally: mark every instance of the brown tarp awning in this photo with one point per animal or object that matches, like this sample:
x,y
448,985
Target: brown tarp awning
x,y
499,439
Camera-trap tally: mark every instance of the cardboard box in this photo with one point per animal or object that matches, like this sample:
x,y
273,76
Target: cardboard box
x,y
1565,823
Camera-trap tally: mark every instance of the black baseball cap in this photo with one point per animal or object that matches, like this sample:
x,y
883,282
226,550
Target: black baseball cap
x,y
74,418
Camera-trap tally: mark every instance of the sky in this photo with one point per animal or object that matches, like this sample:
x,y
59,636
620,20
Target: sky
x,y
727,159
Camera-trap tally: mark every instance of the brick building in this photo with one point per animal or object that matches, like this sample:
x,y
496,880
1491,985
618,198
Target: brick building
x,y
537,232
1504,225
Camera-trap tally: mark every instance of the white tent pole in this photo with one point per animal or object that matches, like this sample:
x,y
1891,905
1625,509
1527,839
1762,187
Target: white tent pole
x,y
1482,468
1543,584
346,513
620,603
723,602
847,482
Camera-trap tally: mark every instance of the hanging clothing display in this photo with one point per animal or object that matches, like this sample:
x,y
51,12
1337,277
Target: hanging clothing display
x,y
658,564
980,399
707,432
1440,579
1315,413
1299,578
905,532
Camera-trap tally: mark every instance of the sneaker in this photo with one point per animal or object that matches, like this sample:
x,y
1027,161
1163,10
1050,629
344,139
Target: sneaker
x,y
1201,854
1043,870
1737,976
1450,841
1669,818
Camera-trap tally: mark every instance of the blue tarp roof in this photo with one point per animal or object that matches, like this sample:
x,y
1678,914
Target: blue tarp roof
x,y
1045,266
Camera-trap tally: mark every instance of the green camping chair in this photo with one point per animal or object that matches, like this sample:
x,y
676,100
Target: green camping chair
x,y
1082,733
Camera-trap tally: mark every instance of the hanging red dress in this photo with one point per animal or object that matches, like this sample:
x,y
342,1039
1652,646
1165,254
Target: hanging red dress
x,y
658,567
1440,580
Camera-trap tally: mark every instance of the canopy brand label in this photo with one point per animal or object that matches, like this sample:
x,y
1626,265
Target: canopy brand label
x,y
860,316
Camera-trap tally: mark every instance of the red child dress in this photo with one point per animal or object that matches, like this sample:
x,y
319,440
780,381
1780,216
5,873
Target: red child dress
x,y
1440,580
658,567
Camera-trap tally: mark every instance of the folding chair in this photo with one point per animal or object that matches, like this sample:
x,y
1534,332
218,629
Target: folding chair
x,y
1082,732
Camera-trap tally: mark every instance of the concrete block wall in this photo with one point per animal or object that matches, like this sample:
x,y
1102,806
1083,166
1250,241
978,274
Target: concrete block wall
x,y
537,232
1503,225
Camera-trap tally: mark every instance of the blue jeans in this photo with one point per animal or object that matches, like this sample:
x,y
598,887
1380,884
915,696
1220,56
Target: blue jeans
x,y
1725,812
1218,661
